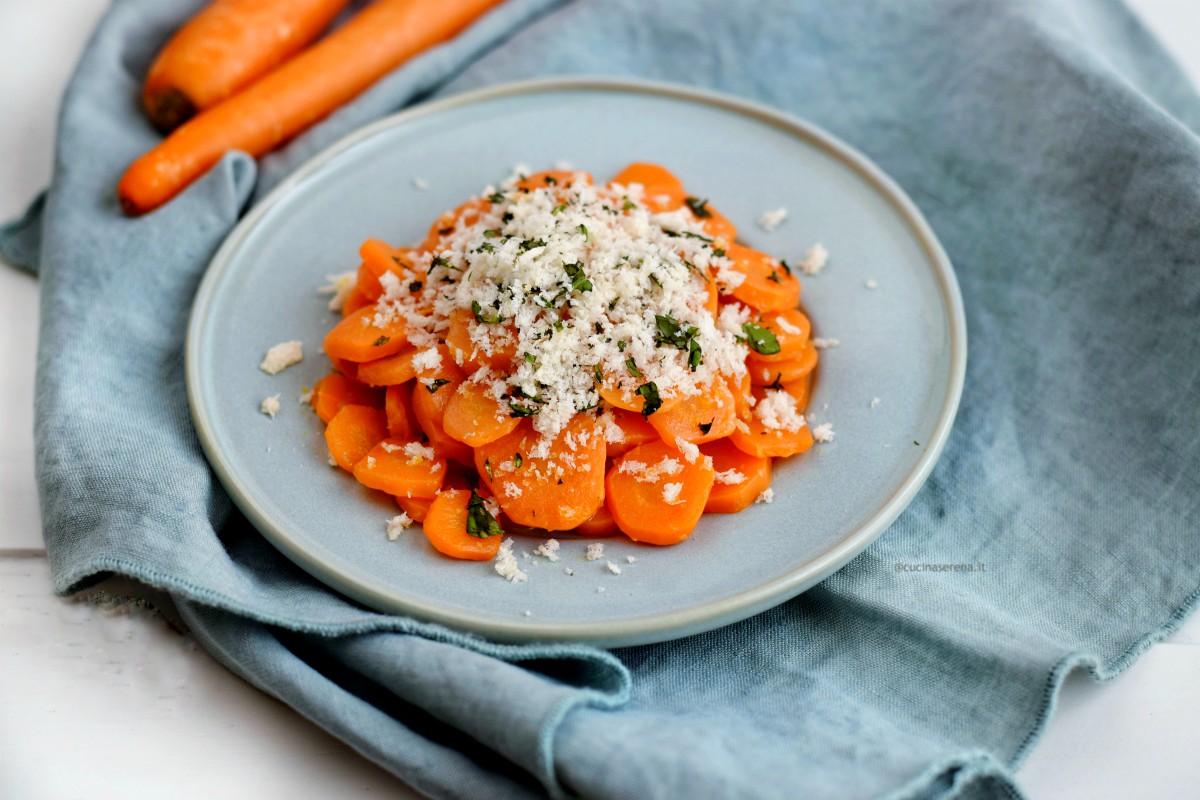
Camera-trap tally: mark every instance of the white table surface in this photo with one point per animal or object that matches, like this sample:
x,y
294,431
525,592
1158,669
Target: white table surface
x,y
91,697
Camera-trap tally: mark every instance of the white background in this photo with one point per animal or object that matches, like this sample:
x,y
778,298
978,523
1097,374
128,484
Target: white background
x,y
92,699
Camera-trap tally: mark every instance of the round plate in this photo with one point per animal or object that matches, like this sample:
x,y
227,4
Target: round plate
x,y
903,342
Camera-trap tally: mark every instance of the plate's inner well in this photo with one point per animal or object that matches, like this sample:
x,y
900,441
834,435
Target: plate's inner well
x,y
897,345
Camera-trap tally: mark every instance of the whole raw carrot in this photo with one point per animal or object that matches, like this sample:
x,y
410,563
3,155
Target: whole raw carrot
x,y
299,93
226,47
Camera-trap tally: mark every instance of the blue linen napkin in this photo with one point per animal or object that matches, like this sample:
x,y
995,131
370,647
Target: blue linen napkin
x,y
1054,148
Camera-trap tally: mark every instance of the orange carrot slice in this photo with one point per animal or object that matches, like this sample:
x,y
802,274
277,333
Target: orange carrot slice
x,y
620,396
401,422
402,468
357,337
791,329
475,418
777,372
380,258
655,495
635,431
767,285
429,407
389,370
469,355
557,492
354,302
551,178
600,524
700,418
418,507
336,390
654,179
755,438
352,432
446,529
226,47
740,477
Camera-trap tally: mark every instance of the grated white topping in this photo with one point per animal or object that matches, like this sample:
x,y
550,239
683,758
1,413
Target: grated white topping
x,y
563,274
825,344
765,496
548,550
506,564
630,559
613,568
420,183
770,220
871,283
397,525
814,260
823,432
671,493
689,450
270,406
731,477
594,550
418,452
282,356
341,287
777,411
875,401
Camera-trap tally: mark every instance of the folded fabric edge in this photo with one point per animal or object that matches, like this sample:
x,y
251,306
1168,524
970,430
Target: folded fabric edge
x,y
21,238
70,582
589,698
970,769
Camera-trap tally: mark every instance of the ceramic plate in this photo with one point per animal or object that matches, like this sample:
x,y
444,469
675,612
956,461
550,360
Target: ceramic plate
x,y
903,342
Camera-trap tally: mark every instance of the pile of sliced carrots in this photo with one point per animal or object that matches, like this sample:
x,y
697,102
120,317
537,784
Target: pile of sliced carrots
x,y
445,449
241,75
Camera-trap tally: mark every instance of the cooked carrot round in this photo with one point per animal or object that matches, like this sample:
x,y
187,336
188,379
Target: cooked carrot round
x,y
336,390
766,285
445,527
358,337
352,432
700,418
656,495
740,477
402,469
475,418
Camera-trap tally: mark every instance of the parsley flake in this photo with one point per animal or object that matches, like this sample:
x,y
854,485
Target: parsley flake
x,y
480,522
490,317
761,339
698,207
649,393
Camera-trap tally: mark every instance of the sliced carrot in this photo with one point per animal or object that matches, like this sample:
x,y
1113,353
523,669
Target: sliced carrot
x,y
352,432
740,388
302,91
336,390
655,180
551,178
655,495
354,302
778,372
389,370
469,355
389,468
378,259
621,396
801,390
755,438
347,368
741,477
600,524
475,418
226,47
429,408
446,528
767,285
558,492
635,431
445,225
418,507
791,329
700,418
357,337
401,421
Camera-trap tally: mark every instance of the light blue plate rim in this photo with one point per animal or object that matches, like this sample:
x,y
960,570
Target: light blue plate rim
x,y
615,633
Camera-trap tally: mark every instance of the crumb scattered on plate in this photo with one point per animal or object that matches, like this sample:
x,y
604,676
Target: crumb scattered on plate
x,y
397,525
825,344
823,432
770,220
270,406
814,260
282,356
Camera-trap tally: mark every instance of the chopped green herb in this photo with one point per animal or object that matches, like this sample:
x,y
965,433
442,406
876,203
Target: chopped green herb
x,y
718,252
517,461
621,345
415,286
778,382
679,335
446,231
529,244
599,376
518,410
598,328
498,197
490,317
629,205
761,339
553,181
705,427
438,261
698,207
487,246
558,208
491,233
649,393
436,384
774,276
786,268
487,467
530,358
480,522
631,365
579,280
507,218
382,340
583,229
690,235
